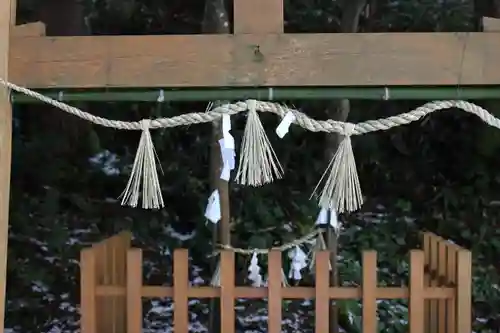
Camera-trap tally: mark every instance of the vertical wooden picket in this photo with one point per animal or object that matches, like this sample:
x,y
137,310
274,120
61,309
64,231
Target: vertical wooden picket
x,y
110,270
417,291
452,278
433,267
227,280
322,291
134,292
274,292
464,292
369,292
181,285
427,278
441,272
87,291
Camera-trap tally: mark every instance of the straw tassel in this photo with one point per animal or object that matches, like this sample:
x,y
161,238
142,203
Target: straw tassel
x,y
215,282
258,162
319,245
144,173
342,191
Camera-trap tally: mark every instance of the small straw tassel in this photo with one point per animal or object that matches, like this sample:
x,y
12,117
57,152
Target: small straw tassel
x,y
258,162
215,282
319,245
144,171
342,191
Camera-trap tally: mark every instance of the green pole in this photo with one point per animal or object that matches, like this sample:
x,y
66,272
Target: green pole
x,y
263,93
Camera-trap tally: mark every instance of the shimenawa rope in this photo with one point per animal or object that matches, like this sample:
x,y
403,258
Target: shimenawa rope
x,y
258,163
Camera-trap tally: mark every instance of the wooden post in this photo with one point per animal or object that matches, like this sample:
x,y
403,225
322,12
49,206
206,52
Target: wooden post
x,y
452,278
274,293
134,291
369,286
322,292
88,322
181,285
416,291
227,292
7,19
464,292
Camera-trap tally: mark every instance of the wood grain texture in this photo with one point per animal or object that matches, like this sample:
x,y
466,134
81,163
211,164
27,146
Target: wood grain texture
x,y
35,29
7,19
231,60
258,16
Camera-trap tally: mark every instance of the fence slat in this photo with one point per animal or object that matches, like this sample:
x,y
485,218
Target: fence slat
x,y
433,266
274,290
442,271
369,286
227,292
427,277
134,291
322,300
181,285
87,291
452,278
417,291
464,291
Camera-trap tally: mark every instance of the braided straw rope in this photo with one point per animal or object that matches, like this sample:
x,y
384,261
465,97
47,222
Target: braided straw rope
x,y
329,126
258,163
285,247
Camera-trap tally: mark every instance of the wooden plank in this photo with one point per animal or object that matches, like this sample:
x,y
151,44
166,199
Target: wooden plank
x,y
369,286
88,320
181,285
416,301
464,292
7,19
227,299
258,16
35,29
133,312
442,272
452,271
231,60
491,24
322,298
275,298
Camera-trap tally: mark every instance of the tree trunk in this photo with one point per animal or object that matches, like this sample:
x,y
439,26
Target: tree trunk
x,y
216,20
351,11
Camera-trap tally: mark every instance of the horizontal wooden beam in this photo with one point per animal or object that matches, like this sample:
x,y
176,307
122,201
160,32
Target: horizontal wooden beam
x,y
491,24
256,60
35,29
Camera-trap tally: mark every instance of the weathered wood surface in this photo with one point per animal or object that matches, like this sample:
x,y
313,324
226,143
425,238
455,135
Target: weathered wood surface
x,y
7,20
233,60
35,29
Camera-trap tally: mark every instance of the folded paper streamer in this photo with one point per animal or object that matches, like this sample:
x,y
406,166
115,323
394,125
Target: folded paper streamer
x,y
228,156
341,190
258,163
284,125
323,219
213,211
227,151
254,271
299,262
144,173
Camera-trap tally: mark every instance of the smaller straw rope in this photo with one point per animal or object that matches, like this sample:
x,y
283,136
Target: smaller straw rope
x,y
329,126
285,247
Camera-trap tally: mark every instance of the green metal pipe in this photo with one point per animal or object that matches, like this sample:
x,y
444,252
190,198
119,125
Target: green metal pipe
x,y
261,93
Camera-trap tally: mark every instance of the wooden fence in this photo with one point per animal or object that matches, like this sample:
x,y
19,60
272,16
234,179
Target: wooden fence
x,y
444,268
112,289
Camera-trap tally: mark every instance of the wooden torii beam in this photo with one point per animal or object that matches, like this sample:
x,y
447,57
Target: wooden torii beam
x,y
257,54
7,19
